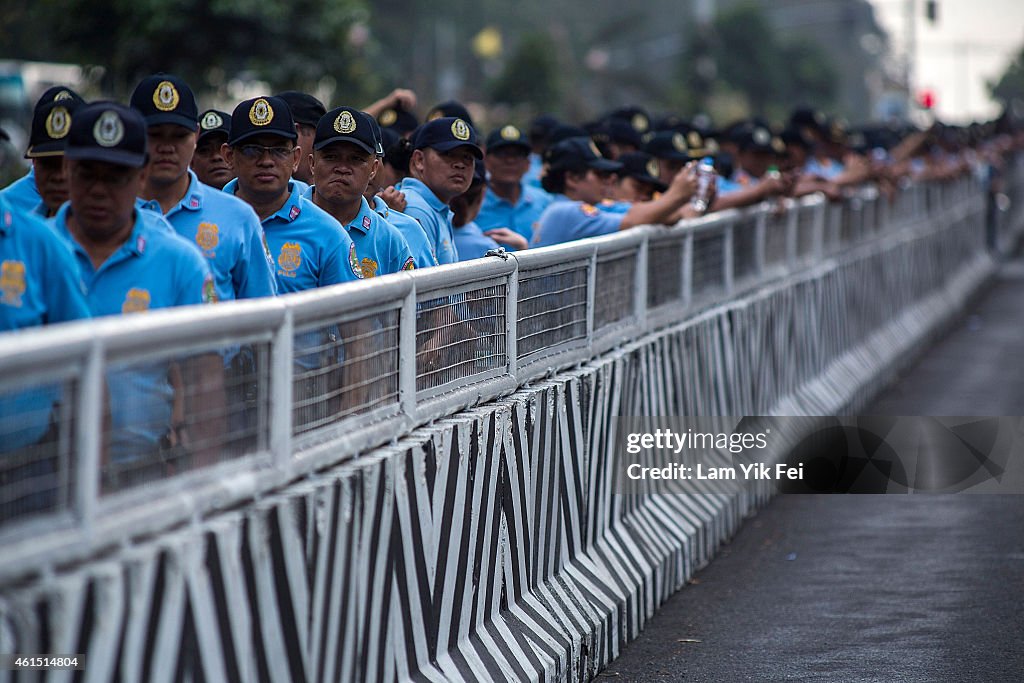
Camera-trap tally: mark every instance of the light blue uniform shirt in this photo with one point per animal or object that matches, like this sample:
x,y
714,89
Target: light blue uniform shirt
x,y
419,245
229,234
532,175
566,220
519,217
472,242
23,194
434,216
613,206
828,170
154,268
727,185
39,285
380,247
308,247
39,279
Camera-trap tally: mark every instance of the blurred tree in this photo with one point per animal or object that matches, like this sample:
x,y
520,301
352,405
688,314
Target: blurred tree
x,y
740,55
531,75
1010,85
293,43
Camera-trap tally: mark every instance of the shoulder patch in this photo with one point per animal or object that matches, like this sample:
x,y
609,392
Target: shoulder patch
x,y
589,209
353,261
209,290
410,264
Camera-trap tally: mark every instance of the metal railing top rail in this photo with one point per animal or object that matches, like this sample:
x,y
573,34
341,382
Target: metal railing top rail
x,y
484,299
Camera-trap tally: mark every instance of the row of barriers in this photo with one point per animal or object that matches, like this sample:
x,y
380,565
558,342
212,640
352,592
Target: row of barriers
x,y
260,393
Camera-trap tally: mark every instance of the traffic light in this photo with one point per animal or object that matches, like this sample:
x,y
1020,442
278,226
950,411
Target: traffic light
x,y
931,11
926,98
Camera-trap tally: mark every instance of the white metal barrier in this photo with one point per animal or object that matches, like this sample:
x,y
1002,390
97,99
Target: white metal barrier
x,y
341,370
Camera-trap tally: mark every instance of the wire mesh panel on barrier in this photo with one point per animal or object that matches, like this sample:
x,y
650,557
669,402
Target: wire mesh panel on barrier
x,y
614,284
460,335
552,307
345,367
744,248
36,449
164,415
807,223
665,260
776,239
708,264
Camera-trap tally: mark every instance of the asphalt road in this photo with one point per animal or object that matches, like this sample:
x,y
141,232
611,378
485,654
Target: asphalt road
x,y
870,588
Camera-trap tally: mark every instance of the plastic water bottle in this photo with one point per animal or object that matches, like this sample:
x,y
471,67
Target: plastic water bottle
x,y
705,184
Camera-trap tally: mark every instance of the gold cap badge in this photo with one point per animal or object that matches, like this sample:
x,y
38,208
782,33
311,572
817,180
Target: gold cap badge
x,y
165,97
388,117
345,123
58,123
510,133
261,113
460,129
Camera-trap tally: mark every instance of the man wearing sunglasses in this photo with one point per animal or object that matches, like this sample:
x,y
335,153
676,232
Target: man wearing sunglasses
x,y
224,228
307,246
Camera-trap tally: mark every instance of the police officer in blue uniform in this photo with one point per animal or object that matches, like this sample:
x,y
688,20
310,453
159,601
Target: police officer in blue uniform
x,y
39,285
441,168
344,160
131,262
379,192
581,178
45,187
208,162
509,202
307,246
223,227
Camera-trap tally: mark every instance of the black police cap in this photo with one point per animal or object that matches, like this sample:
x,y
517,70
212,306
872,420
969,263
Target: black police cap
x,y
305,108
268,115
164,98
58,92
622,132
507,136
399,120
450,109
109,132
643,167
388,138
51,123
446,134
213,121
578,152
673,145
346,124
564,131
637,118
